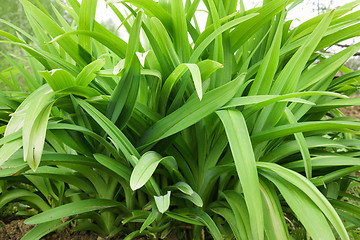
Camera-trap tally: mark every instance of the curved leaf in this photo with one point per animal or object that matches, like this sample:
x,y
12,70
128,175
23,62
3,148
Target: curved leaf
x,y
72,209
282,177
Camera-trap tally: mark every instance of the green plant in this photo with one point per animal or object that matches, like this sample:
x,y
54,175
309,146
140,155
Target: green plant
x,y
228,130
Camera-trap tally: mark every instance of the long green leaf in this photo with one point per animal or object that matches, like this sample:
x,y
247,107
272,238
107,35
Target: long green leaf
x,y
8,149
122,100
115,133
202,46
206,220
289,76
54,30
302,145
42,229
282,176
242,151
116,166
241,213
285,130
306,210
183,218
113,42
86,22
72,209
275,226
23,195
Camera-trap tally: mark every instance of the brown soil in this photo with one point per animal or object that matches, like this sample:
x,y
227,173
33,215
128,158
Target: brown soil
x,y
353,111
16,229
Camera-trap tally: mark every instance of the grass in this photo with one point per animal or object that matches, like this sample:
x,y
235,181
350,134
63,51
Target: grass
x,y
233,130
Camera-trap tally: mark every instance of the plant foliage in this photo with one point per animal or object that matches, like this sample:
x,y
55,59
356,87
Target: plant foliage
x,y
233,130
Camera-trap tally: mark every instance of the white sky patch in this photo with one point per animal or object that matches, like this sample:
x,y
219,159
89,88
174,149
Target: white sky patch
x,y
104,13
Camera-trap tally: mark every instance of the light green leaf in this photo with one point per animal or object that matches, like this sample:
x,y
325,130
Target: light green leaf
x,y
184,187
268,67
326,67
208,67
176,75
188,193
16,122
288,79
123,98
144,169
32,115
86,92
291,147
34,132
194,198
163,202
261,101
113,42
8,149
89,72
153,9
165,43
54,30
335,103
264,14
196,76
58,79
325,162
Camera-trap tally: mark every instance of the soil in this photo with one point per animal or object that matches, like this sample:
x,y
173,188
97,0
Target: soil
x,y
353,111
16,229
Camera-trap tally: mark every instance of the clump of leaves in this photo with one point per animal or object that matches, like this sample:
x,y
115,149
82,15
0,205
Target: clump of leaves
x,y
227,130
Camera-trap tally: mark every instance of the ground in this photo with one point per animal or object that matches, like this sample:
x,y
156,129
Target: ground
x,y
16,229
353,111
